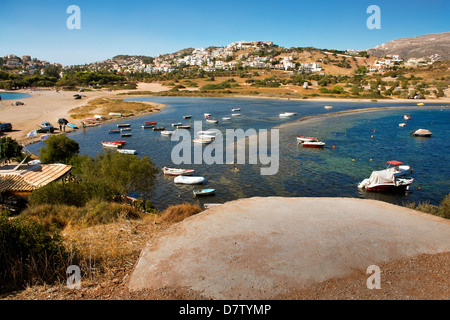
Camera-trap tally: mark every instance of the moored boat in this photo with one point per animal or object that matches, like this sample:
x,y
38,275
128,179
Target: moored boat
x,y
406,117
187,126
123,125
113,131
422,133
212,120
313,144
189,180
207,115
176,124
385,181
166,132
207,133
187,117
203,192
127,151
126,135
159,128
402,124
287,114
328,107
119,141
147,126
235,114
177,172
204,140
306,139
111,144
226,118
236,109
125,129
150,123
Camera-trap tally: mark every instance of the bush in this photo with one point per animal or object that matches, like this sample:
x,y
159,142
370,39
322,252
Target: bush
x,y
30,253
179,212
443,210
58,148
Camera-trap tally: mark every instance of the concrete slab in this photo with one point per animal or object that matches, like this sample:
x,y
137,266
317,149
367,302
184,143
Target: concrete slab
x,y
260,248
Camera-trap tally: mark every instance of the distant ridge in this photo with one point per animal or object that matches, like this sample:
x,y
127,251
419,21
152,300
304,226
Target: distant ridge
x,y
434,46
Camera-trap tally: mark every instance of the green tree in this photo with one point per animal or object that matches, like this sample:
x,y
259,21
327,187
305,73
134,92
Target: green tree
x,y
9,148
58,148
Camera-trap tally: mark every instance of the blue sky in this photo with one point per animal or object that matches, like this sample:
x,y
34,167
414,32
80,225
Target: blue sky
x,y
151,27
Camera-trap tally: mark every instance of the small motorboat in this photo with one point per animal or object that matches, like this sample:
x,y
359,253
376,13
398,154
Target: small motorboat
x,y
187,117
226,118
236,109
313,144
402,124
123,125
166,133
212,121
207,115
150,123
113,131
159,128
203,192
119,142
328,107
385,181
178,172
127,151
187,126
206,133
235,114
189,180
287,114
176,124
406,117
306,139
420,104
125,129
398,168
204,140
421,133
147,126
126,135
111,144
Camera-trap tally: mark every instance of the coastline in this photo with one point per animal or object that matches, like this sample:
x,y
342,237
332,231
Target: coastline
x,y
50,105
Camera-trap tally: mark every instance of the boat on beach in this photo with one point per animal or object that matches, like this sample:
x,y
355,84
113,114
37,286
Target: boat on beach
x,y
72,126
177,172
203,192
189,180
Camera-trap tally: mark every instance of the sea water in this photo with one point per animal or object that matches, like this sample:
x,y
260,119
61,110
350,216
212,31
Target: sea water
x,y
362,142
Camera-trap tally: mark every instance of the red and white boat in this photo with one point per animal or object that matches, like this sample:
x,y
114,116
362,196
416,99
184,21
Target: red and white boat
x,y
385,181
306,139
406,117
111,144
313,144
119,142
177,172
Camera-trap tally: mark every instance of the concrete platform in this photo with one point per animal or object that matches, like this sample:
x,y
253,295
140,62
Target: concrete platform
x,y
261,248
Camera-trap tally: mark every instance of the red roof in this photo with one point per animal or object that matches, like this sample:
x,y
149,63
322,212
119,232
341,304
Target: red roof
x,y
394,162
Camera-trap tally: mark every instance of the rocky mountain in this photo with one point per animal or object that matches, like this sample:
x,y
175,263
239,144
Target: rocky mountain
x,y
434,46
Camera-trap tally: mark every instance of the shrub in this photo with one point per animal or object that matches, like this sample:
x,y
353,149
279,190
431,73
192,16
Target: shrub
x,y
58,148
72,194
30,253
179,212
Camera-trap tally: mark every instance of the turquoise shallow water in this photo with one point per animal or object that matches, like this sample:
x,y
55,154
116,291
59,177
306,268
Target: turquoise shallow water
x,y
302,171
13,95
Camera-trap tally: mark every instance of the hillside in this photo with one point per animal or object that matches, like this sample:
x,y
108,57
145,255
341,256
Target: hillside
x,y
434,46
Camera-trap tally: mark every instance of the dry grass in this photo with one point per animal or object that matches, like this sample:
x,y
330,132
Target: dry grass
x,y
179,212
103,106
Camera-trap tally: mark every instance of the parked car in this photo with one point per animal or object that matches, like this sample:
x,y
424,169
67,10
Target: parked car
x,y
6,126
46,127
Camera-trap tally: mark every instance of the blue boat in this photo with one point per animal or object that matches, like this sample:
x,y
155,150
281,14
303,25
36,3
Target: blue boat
x,y
113,131
72,126
203,192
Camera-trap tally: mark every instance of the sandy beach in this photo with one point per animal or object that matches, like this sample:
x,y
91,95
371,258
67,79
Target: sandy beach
x,y
50,105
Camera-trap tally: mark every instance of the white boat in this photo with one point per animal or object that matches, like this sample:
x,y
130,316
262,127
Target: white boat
x,y
287,114
203,192
406,117
236,109
385,181
111,144
166,133
207,115
184,126
204,140
306,139
328,107
212,121
402,124
235,114
422,133
313,144
125,129
178,172
226,118
176,124
127,151
398,168
189,180
207,133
